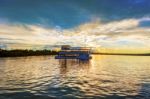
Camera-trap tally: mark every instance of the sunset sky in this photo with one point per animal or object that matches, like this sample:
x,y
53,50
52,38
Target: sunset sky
x,y
105,24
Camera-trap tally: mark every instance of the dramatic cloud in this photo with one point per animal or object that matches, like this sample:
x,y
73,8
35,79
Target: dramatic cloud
x,y
125,33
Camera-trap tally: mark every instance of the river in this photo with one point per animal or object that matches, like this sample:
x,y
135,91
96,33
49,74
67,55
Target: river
x,y
103,77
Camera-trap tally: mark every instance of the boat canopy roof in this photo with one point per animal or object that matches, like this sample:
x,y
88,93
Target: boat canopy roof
x,y
74,52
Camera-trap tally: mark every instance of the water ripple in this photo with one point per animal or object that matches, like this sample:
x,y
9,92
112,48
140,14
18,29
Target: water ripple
x,y
104,77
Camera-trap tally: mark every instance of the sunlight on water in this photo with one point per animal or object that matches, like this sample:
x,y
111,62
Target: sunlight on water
x,y
104,76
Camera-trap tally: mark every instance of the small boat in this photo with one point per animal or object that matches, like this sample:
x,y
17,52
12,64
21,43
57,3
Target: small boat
x,y
67,52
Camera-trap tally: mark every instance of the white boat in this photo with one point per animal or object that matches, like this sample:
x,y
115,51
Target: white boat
x,y
67,52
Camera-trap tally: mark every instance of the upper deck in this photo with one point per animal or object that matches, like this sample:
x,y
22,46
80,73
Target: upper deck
x,y
74,50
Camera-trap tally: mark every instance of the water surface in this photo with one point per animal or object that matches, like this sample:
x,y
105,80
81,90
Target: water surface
x,y
104,77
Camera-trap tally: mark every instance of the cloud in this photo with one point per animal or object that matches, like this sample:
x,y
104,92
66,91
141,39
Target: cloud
x,y
116,34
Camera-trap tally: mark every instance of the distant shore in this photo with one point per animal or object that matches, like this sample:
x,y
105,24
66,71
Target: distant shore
x,y
142,54
16,53
19,53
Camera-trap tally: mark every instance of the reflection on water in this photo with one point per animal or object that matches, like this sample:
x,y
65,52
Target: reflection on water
x,y
108,77
73,65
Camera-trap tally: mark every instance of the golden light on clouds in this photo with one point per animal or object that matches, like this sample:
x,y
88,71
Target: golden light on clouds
x,y
117,34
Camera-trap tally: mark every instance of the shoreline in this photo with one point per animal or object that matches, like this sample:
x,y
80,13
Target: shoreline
x,y
92,54
121,54
21,53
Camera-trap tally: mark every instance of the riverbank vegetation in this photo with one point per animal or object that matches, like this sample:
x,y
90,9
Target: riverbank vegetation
x,y
17,52
14,53
129,54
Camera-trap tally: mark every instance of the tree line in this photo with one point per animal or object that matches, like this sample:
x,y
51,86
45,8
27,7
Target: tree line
x,y
14,53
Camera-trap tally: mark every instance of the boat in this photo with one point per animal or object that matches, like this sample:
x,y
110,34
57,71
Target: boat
x,y
68,52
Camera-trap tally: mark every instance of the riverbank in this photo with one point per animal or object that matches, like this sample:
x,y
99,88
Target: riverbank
x,y
16,53
126,54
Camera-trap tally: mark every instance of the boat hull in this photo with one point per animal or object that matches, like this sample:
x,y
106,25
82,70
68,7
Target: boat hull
x,y
72,57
